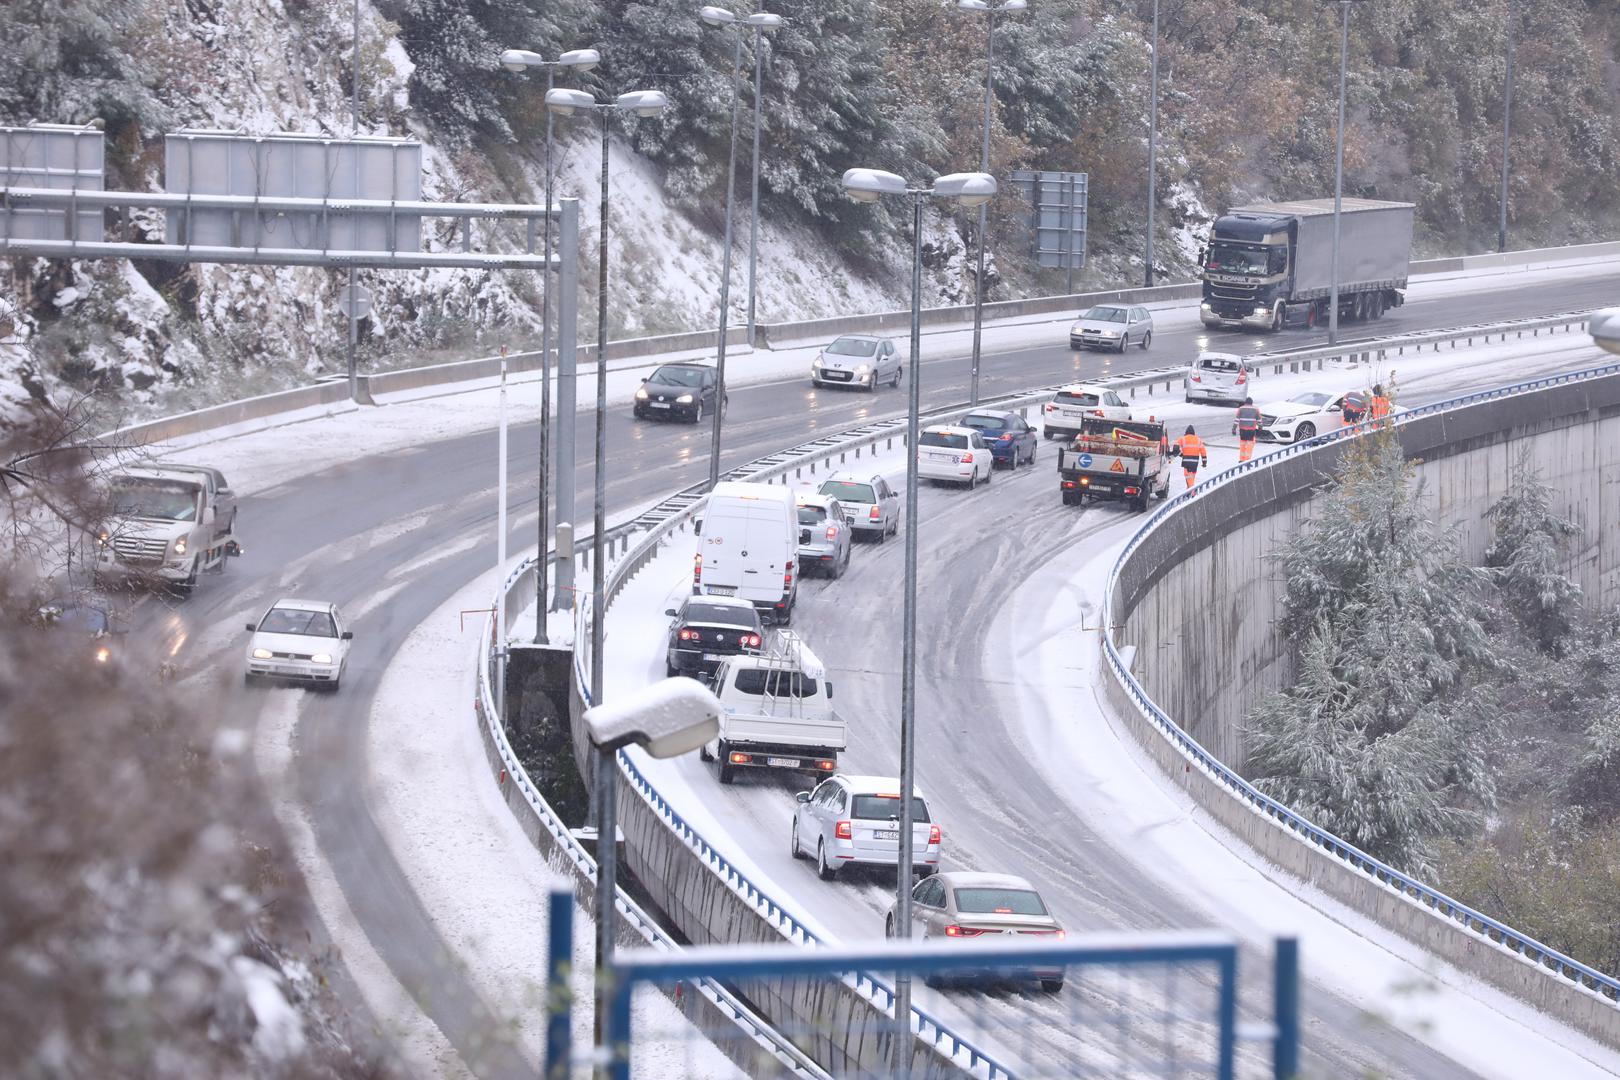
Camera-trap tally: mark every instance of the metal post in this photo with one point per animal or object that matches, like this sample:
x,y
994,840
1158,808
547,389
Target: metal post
x,y
500,546
543,526
1068,237
559,992
1338,176
725,269
606,827
753,213
1153,149
567,388
1285,1009
1507,115
984,165
354,321
908,666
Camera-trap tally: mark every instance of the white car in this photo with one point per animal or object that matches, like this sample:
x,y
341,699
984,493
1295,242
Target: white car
x,y
1073,404
859,360
1304,416
1220,377
300,641
1112,326
957,455
854,820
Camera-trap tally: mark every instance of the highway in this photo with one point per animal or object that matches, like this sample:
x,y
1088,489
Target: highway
x,y
345,534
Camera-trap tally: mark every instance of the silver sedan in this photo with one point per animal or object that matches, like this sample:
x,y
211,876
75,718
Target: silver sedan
x,y
961,906
825,534
1112,326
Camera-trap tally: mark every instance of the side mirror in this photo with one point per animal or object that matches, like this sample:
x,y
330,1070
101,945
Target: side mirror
x,y
803,796
208,515
251,628
1335,408
347,635
670,612
697,526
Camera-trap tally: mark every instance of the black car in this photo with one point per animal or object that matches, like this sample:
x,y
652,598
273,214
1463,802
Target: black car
x,y
679,391
707,628
85,631
1012,441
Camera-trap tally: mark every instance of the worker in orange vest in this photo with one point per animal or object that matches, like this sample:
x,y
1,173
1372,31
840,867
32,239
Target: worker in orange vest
x,y
1247,427
1190,448
1380,404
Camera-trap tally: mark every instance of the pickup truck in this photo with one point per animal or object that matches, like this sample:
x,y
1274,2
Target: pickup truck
x,y
1115,459
166,524
778,712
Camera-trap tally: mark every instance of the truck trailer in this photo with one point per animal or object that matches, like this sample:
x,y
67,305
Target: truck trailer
x,y
1270,265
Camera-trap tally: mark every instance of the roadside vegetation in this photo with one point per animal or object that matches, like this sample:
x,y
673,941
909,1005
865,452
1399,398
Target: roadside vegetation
x,y
1460,722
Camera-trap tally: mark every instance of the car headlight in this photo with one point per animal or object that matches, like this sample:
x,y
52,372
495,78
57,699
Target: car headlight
x,y
641,394
864,370
684,399
103,654
816,363
1075,329
180,546
261,654
322,658
1110,333
103,538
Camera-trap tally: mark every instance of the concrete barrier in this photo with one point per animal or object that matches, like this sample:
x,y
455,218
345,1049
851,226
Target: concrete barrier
x,y
1197,592
327,397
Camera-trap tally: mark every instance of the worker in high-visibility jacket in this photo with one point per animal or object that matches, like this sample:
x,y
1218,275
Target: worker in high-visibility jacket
x,y
1380,406
1355,406
1192,452
1247,427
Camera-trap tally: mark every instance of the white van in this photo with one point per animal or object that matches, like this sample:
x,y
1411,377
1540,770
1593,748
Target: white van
x,y
747,545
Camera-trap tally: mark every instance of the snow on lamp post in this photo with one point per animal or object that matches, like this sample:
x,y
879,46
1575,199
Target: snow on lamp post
x,y
990,12
717,16
971,189
519,61
1604,326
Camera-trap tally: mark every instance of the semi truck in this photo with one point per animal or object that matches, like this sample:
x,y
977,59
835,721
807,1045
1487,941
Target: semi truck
x,y
1270,265
1124,460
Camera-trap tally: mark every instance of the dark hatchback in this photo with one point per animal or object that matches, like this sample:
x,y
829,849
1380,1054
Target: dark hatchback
x,y
707,629
678,392
1012,441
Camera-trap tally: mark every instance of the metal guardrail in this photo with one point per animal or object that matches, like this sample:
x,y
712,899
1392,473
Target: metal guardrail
x,y
673,513
1547,959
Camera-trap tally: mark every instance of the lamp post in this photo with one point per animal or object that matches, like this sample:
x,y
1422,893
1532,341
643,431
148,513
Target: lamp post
x,y
667,719
1604,326
519,60
1338,171
1507,117
717,16
990,12
1153,149
966,189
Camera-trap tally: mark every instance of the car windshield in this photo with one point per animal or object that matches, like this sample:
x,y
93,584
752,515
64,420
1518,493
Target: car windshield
x,y
885,807
844,491
1066,398
776,682
1316,400
811,515
852,346
721,614
1000,901
984,423
298,621
166,500
677,376
943,438
1105,314
83,620
1218,363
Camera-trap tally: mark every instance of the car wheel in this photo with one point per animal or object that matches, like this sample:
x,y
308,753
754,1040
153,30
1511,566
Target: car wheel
x,y
704,754
895,382
250,679
888,926
670,670
697,417
991,474
1305,431
1147,339
973,478
1052,986
332,687
727,771
1124,341
725,405
797,854
824,871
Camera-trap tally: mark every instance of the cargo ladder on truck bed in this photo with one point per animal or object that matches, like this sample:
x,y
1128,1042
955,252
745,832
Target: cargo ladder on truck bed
x,y
791,662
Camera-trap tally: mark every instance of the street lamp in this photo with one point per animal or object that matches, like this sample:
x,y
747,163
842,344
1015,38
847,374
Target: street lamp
x,y
521,60
1338,170
990,12
717,16
1507,116
667,719
966,189
1604,326
1153,148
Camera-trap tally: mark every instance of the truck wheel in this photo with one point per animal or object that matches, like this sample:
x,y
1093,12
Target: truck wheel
x,y
1071,498
1378,306
703,753
1311,317
1277,319
727,771
824,871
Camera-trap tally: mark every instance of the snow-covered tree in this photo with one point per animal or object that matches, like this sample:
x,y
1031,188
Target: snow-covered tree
x,y
1527,559
1381,738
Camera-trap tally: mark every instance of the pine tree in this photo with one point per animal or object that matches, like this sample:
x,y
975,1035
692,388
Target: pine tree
x,y
1527,559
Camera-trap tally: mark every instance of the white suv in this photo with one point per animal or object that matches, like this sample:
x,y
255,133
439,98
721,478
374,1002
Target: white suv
x,y
849,820
957,455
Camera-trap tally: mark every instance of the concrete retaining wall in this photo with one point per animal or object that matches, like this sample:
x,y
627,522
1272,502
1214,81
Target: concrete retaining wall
x,y
1197,599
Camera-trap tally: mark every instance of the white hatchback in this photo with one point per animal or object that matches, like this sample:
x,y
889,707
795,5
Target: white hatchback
x,y
299,641
855,820
1220,377
957,455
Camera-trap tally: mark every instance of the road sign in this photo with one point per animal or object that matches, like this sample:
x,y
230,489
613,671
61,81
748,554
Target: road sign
x,y
1058,203
354,301
60,156
1085,461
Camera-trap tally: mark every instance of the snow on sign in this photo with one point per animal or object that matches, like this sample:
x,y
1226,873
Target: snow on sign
x,y
1085,461
61,156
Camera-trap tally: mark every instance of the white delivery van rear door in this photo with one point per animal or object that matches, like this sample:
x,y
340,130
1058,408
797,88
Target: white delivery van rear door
x,y
750,537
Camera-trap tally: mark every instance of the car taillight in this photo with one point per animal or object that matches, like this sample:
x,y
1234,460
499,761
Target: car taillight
x,y
1198,378
751,641
787,574
826,765
967,458
1097,412
962,931
844,831
933,834
877,512
1130,491
697,568
1051,407
1007,437
687,635
832,532
1068,483
739,759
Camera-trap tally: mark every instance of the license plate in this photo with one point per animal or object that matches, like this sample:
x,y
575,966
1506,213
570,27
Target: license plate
x,y
660,404
886,834
720,590
283,669
783,762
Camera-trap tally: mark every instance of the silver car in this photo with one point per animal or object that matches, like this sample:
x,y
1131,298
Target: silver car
x,y
854,820
858,360
1112,326
1219,377
874,506
960,906
825,535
